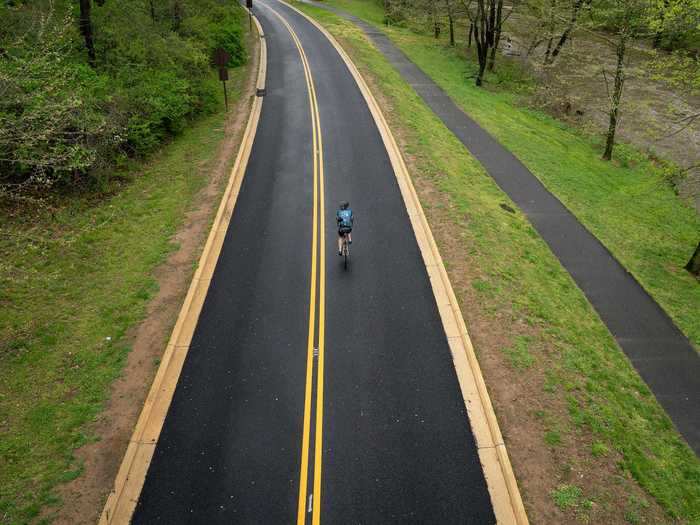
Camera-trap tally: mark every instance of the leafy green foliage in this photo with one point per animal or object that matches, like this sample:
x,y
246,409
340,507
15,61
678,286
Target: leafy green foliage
x,y
63,121
677,24
52,109
679,69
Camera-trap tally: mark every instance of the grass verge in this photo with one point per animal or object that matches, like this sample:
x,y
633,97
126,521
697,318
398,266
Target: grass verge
x,y
74,279
628,203
574,412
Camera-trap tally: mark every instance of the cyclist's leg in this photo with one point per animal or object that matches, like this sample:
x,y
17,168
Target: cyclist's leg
x,y
340,243
350,237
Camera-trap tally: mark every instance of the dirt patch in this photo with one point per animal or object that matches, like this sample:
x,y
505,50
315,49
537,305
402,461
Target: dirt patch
x,y
84,497
527,413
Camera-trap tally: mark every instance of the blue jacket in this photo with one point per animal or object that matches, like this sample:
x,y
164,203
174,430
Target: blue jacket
x,y
344,218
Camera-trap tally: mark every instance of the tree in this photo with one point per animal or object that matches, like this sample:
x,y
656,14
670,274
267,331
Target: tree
x,y
498,23
176,15
560,19
435,17
693,265
616,94
675,24
85,25
627,20
576,7
53,126
486,17
451,22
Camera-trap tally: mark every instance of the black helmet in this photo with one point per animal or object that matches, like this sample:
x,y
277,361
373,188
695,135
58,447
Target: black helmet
x,y
344,205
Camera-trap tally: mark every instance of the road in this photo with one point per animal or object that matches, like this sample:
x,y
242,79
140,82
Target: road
x,y
310,392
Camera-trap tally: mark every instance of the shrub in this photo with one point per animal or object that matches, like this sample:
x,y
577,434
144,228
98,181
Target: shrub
x,y
158,105
54,111
61,119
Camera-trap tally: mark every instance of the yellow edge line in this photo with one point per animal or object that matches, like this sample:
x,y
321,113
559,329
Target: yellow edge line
x,y
128,483
318,196
502,485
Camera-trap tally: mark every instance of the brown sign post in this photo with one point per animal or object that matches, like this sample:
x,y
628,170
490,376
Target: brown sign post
x,y
221,58
249,5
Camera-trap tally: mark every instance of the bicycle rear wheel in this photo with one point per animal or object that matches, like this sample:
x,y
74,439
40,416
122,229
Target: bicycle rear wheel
x,y
346,252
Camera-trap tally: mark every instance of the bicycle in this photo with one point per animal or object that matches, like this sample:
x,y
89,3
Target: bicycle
x,y
345,250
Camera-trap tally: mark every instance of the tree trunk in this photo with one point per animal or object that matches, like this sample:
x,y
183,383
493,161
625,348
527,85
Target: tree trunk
x,y
451,22
176,15
481,39
482,67
85,25
471,32
693,265
549,50
565,35
452,31
659,35
490,25
152,9
550,27
617,95
436,22
497,34
560,44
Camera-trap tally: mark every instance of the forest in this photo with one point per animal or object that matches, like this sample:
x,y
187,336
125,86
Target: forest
x,y
86,85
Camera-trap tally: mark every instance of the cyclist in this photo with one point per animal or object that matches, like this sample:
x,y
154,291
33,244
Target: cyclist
x,y
344,218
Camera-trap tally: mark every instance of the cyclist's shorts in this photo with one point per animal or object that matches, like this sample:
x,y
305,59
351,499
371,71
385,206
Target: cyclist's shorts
x,y
343,230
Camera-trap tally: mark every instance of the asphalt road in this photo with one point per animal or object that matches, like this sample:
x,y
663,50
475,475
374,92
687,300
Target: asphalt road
x,y
396,441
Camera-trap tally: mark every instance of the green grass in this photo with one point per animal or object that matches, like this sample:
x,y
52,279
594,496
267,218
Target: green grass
x,y
519,354
567,496
72,284
522,284
627,203
552,438
599,449
634,510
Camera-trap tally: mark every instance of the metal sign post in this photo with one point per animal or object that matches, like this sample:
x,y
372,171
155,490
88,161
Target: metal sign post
x,y
221,58
249,5
223,76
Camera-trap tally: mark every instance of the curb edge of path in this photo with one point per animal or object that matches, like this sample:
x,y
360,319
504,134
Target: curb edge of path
x,y
123,497
503,488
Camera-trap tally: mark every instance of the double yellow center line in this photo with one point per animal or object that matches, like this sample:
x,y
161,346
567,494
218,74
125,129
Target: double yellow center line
x,y
311,501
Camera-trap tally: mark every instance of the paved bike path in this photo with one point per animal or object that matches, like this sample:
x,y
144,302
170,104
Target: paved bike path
x,y
397,445
662,355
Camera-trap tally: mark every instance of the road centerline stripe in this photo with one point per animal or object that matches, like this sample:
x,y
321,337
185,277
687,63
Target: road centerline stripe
x,y
311,503
318,450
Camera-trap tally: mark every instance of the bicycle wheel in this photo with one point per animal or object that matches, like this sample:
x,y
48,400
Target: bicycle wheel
x,y
346,252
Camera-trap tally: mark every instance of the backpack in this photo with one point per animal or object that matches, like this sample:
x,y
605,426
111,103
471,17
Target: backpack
x,y
345,220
